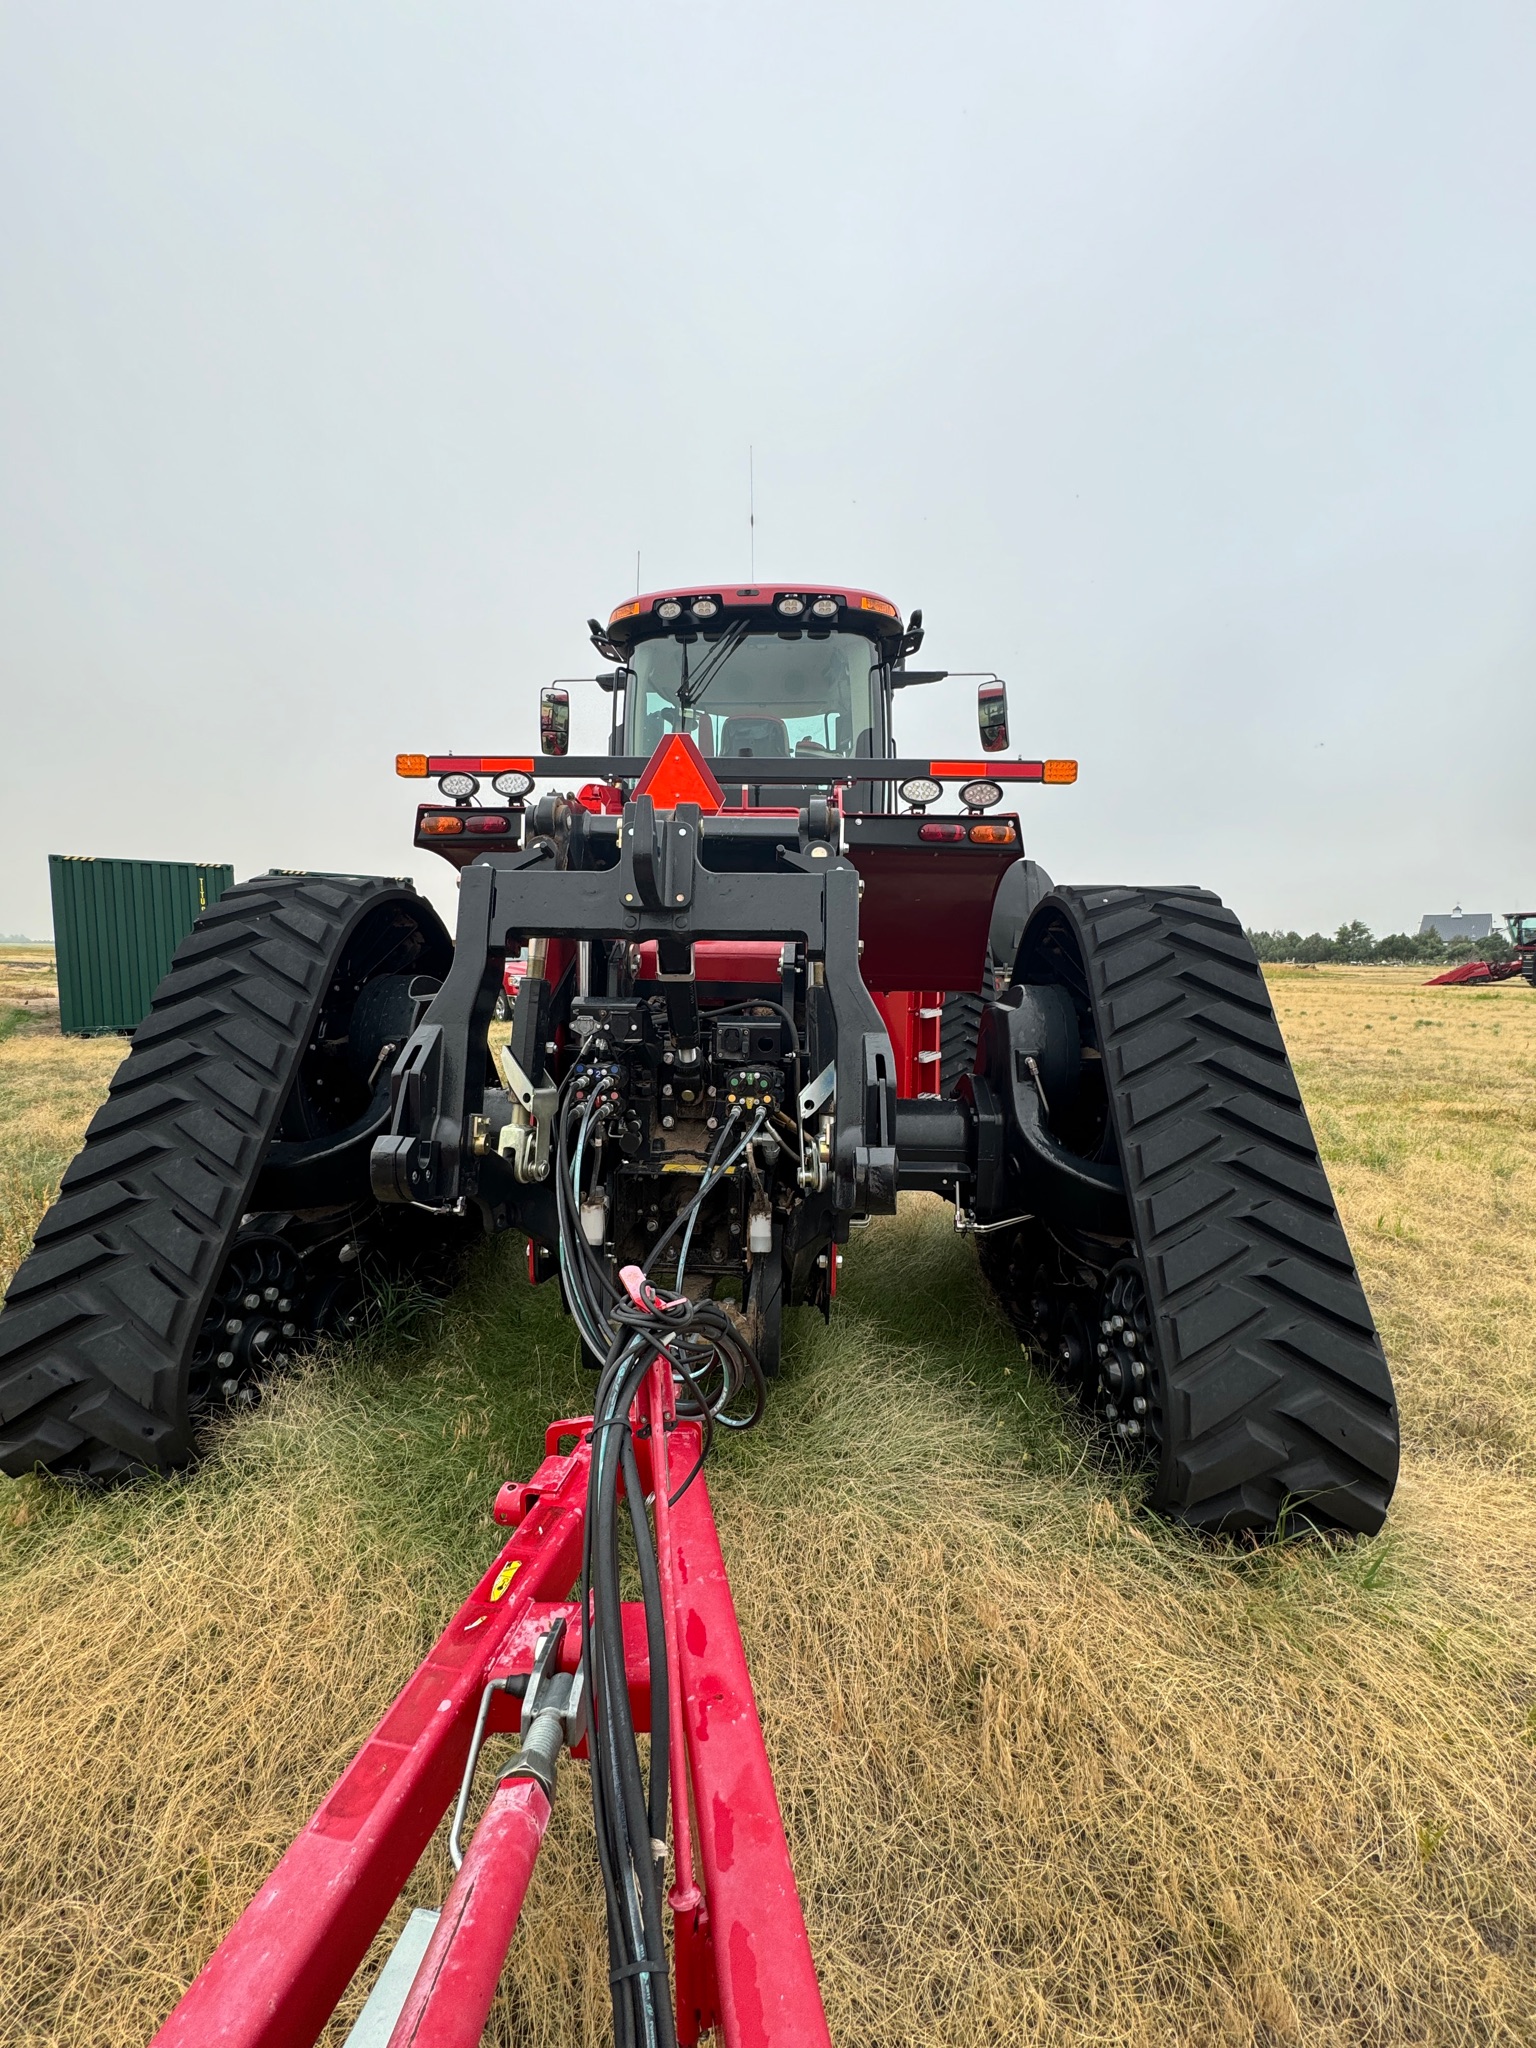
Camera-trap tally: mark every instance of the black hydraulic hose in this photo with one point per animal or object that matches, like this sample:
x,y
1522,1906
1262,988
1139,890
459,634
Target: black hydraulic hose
x,y
655,1644
621,1808
709,1357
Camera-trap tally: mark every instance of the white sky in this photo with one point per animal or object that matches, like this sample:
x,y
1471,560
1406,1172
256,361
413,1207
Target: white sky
x,y
1179,358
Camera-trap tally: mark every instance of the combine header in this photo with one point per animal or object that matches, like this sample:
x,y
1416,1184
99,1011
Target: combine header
x,y
773,975
1522,933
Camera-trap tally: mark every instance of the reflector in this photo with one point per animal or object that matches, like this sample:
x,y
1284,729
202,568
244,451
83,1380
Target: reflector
x,y
677,773
994,771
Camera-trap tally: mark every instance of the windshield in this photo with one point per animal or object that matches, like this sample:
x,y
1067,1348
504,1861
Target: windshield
x,y
768,695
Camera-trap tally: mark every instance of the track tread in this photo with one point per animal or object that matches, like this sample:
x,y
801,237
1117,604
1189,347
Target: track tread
x,y
1278,1399
102,1314
957,1035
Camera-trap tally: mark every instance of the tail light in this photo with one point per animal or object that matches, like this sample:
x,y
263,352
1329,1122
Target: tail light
x,y
993,835
489,823
949,833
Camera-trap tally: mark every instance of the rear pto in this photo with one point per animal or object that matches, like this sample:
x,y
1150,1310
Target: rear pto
x,y
770,980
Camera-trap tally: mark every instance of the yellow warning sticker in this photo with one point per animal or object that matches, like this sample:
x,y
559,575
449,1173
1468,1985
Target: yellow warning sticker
x,y
503,1579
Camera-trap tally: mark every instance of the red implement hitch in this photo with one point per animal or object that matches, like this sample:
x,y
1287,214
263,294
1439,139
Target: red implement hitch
x,y
512,1659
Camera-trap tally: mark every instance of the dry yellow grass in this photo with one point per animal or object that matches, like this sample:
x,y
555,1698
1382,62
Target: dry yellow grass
x,y
1051,1772
49,1087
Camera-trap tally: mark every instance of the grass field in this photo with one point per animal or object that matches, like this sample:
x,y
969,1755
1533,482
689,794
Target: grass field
x,y
1051,1771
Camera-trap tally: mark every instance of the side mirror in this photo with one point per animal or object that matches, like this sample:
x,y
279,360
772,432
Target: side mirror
x,y
555,720
992,716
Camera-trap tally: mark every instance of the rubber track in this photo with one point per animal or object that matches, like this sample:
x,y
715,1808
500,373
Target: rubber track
x,y
1277,1395
104,1311
957,1036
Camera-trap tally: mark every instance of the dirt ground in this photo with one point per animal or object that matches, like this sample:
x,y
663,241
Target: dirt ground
x,y
1052,1772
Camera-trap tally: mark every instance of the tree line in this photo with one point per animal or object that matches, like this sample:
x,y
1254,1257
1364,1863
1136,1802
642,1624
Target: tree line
x,y
1356,945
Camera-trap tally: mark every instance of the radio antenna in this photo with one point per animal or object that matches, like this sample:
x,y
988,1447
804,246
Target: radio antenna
x,y
751,518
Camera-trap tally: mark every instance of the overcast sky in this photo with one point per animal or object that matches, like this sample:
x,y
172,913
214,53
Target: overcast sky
x,y
1178,358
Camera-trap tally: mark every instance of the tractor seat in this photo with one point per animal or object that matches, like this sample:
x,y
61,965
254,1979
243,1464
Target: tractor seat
x,y
764,736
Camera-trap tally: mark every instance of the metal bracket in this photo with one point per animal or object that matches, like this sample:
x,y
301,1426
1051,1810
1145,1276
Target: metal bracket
x,y
525,1140
658,856
819,1092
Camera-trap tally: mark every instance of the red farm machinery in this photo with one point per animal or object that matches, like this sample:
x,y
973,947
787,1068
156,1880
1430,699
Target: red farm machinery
x,y
767,975
1522,937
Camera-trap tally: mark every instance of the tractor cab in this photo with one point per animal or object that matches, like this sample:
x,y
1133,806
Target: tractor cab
x,y
754,673
776,696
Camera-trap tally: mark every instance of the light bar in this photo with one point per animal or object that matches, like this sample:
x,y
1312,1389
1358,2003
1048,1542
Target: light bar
x,y
764,769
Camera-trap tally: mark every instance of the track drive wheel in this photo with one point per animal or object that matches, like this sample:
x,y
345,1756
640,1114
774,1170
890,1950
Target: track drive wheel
x,y
218,1216
1221,1334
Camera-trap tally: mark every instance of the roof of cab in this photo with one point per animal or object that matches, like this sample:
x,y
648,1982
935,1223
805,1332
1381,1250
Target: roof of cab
x,y
868,605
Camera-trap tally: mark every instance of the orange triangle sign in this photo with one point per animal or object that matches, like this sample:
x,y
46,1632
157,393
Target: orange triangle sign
x,y
677,773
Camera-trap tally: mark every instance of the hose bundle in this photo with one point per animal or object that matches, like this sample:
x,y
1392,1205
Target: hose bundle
x,y
713,1367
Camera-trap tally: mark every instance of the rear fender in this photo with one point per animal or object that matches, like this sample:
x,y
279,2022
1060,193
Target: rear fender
x,y
1029,1052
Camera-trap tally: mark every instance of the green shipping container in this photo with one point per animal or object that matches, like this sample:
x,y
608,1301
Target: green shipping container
x,y
116,924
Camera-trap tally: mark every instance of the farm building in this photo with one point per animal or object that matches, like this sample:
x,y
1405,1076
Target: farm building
x,y
1457,923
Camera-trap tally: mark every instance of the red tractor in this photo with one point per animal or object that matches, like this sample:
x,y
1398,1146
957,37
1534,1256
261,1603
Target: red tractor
x,y
774,974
